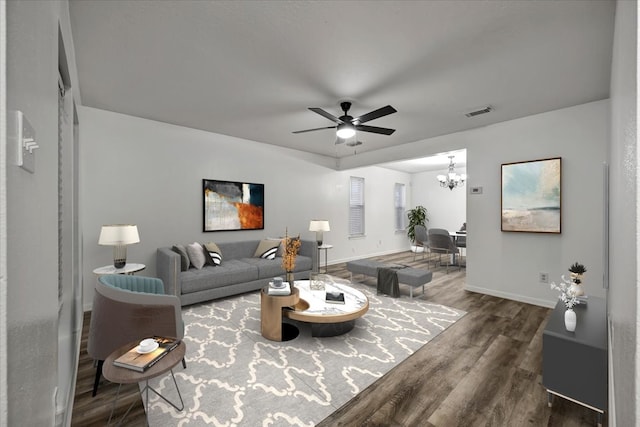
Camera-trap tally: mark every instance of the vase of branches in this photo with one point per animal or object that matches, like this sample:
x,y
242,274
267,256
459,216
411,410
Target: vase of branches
x,y
291,247
569,300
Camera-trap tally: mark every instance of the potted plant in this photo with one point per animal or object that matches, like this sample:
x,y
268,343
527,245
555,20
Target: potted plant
x,y
577,271
417,216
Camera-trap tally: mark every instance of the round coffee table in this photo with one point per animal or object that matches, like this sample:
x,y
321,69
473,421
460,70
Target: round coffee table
x,y
328,319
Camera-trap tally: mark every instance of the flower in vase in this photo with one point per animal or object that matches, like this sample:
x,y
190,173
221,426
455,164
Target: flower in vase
x,y
291,246
567,296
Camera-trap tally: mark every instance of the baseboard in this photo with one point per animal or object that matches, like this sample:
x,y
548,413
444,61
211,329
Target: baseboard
x,y
514,297
355,257
611,413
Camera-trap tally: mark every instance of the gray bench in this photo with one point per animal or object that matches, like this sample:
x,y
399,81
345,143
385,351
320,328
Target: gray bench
x,y
414,277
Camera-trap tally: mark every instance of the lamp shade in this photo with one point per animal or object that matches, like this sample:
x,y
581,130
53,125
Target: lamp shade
x,y
319,225
118,234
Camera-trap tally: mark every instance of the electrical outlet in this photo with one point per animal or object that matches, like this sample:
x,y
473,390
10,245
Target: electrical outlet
x,y
544,277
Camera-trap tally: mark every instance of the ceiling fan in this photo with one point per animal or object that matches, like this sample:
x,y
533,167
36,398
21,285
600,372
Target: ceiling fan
x,y
347,125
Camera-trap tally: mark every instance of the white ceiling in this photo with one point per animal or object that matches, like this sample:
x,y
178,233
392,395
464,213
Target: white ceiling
x,y
251,69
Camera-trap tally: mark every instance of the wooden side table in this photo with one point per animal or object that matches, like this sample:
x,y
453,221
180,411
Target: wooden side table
x,y
119,375
127,269
271,307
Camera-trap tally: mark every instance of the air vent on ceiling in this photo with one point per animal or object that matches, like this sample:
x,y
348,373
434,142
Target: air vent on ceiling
x,y
484,110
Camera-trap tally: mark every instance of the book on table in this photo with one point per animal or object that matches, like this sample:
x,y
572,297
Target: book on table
x,y
140,362
335,297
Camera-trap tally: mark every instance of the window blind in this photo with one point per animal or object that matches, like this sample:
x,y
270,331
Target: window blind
x,y
356,206
399,204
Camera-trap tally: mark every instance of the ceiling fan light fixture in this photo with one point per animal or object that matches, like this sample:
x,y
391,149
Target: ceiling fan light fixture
x,y
345,130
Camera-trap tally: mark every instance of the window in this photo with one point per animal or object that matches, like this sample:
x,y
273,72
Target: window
x,y
356,206
399,204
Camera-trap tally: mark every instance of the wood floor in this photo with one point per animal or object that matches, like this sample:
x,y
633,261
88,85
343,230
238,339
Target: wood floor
x,y
485,370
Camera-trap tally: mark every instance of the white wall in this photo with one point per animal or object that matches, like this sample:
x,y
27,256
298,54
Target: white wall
x,y
32,224
447,208
150,174
508,264
623,256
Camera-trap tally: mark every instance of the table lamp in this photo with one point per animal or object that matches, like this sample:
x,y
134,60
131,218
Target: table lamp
x,y
319,225
119,236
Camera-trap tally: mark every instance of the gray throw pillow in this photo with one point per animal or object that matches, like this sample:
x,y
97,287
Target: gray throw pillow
x,y
196,255
184,257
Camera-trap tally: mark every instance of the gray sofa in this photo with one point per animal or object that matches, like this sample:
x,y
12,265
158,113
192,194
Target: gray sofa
x,y
238,273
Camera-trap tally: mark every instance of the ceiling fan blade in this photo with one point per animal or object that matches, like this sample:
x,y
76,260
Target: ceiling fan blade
x,y
380,112
375,129
326,115
311,130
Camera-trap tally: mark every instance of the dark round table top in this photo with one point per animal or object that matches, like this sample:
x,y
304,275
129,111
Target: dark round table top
x,y
120,375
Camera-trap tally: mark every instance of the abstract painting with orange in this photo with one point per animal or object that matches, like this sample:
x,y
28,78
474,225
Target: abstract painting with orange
x,y
230,205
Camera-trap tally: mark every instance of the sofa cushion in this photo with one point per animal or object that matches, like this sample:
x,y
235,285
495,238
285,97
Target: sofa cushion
x,y
196,255
184,257
214,252
231,272
267,249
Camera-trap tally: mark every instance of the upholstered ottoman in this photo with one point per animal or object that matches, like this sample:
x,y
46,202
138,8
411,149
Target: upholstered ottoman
x,y
414,277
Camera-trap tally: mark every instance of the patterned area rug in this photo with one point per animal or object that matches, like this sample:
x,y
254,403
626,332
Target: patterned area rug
x,y
235,377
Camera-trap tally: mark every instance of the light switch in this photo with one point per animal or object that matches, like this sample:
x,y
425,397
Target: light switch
x,y
22,138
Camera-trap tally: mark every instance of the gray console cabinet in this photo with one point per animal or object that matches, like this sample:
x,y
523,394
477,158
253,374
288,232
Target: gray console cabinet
x,y
574,364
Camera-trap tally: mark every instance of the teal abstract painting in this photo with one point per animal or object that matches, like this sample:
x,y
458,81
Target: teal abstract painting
x,y
531,196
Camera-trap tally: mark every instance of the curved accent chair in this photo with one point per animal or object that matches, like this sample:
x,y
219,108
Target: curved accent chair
x,y
421,240
130,308
441,243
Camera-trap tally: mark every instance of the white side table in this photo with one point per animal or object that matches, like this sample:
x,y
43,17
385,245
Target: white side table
x,y
325,248
127,269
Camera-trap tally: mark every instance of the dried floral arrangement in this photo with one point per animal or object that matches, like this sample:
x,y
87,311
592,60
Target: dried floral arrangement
x,y
291,246
566,294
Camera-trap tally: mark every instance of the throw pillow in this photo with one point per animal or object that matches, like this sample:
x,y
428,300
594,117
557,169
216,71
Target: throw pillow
x,y
280,251
184,257
207,258
267,249
196,255
214,252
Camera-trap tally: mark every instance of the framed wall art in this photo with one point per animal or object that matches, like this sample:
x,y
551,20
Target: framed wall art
x,y
531,196
230,205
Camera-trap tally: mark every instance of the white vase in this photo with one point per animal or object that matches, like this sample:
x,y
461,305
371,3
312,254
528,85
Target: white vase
x,y
570,320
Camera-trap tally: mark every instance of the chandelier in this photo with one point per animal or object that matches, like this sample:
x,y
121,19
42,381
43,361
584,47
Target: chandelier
x,y
451,179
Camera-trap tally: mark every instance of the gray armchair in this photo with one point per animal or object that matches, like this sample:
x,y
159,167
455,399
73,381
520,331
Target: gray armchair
x,y
130,308
440,242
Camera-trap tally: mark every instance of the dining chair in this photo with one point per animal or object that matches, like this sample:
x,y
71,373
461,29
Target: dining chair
x,y
420,240
441,243
130,308
461,241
